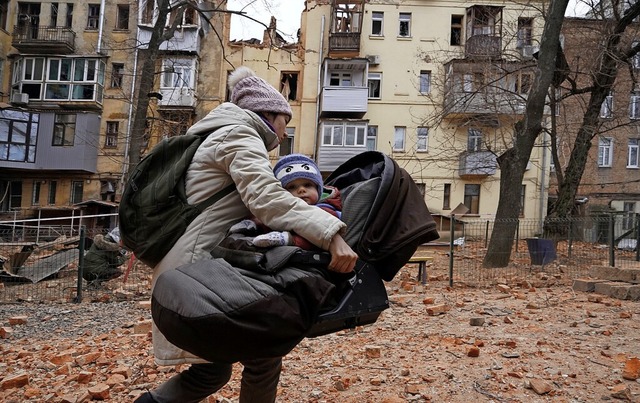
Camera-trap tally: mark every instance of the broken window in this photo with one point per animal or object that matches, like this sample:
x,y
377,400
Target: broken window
x,y
289,85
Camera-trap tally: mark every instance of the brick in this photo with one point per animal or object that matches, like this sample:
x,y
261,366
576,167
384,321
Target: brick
x,y
372,351
99,392
142,327
16,381
17,320
88,358
540,387
5,332
585,284
437,309
631,369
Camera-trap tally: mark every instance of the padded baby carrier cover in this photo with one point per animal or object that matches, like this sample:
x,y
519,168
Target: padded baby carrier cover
x,y
224,313
386,215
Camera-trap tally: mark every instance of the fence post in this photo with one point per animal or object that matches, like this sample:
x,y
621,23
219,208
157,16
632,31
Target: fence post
x,y
452,228
570,238
486,234
612,255
637,227
517,233
80,265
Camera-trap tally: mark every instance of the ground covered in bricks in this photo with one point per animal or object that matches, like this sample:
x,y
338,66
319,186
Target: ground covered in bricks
x,y
537,338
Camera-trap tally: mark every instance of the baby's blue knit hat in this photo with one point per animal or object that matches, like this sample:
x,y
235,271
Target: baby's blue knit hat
x,y
296,166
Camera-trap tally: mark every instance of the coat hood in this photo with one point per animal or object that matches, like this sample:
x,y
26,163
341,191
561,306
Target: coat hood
x,y
229,114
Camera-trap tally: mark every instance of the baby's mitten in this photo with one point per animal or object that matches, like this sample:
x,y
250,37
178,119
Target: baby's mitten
x,y
243,227
274,238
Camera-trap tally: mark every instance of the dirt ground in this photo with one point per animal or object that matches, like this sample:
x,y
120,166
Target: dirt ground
x,y
515,341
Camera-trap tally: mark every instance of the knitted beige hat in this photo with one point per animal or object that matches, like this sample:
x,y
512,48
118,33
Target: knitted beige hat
x,y
251,92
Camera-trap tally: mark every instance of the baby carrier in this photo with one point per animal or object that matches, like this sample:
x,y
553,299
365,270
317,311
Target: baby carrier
x,y
254,304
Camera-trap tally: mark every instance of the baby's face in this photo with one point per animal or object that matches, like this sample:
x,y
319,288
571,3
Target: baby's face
x,y
304,189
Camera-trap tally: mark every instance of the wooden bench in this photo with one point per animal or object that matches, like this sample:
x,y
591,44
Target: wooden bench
x,y
422,266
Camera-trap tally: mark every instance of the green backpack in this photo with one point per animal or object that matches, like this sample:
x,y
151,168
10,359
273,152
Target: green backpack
x,y
154,212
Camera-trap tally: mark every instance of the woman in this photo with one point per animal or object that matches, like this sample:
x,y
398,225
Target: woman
x,y
242,133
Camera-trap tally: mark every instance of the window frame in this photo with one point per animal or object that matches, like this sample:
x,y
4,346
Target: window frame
x,y
404,22
373,77
422,142
605,152
446,196
377,18
338,132
474,139
122,23
77,190
175,69
93,16
399,138
425,82
524,36
117,75
51,197
472,198
633,153
288,142
457,29
64,132
18,136
111,134
371,137
606,109
35,193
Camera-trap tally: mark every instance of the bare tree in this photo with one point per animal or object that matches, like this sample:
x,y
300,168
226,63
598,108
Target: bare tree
x,y
615,53
513,161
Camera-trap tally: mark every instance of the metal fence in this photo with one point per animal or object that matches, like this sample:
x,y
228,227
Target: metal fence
x,y
45,263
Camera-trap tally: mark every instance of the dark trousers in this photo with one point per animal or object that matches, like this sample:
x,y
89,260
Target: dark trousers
x,y
259,382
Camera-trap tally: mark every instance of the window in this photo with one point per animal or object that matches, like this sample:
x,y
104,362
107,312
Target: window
x,y
398,138
524,82
4,7
344,134
147,11
52,192
111,136
474,140
405,25
53,21
629,209
472,82
632,158
523,193
525,30
117,73
425,81
35,193
76,191
188,17
18,134
74,79
286,145
122,18
69,16
340,79
372,138
289,85
423,136
605,149
375,82
64,129
635,60
472,198
177,73
93,16
446,197
377,26
456,30
634,106
606,109
14,191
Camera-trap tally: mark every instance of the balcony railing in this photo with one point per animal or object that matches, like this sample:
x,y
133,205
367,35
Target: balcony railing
x,y
344,42
484,46
477,163
43,39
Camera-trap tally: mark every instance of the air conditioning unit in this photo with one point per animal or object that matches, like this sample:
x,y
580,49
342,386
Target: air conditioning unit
x,y
528,51
373,59
20,98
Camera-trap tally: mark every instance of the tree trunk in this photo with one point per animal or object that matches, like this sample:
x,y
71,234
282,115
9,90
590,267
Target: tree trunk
x,y
145,86
513,162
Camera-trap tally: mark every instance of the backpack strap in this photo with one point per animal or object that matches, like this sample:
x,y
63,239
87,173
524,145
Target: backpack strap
x,y
217,196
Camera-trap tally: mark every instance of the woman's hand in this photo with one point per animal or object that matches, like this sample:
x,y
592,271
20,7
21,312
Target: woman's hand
x,y
343,258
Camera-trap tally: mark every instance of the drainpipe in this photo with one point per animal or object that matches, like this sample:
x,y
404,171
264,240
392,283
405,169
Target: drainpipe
x,y
101,26
320,54
125,162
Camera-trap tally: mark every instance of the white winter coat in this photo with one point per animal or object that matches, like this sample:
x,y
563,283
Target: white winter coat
x,y
236,151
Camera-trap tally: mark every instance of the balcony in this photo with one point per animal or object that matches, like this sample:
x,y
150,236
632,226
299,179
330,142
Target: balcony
x,y
344,101
476,164
484,47
42,39
186,39
347,42
177,97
